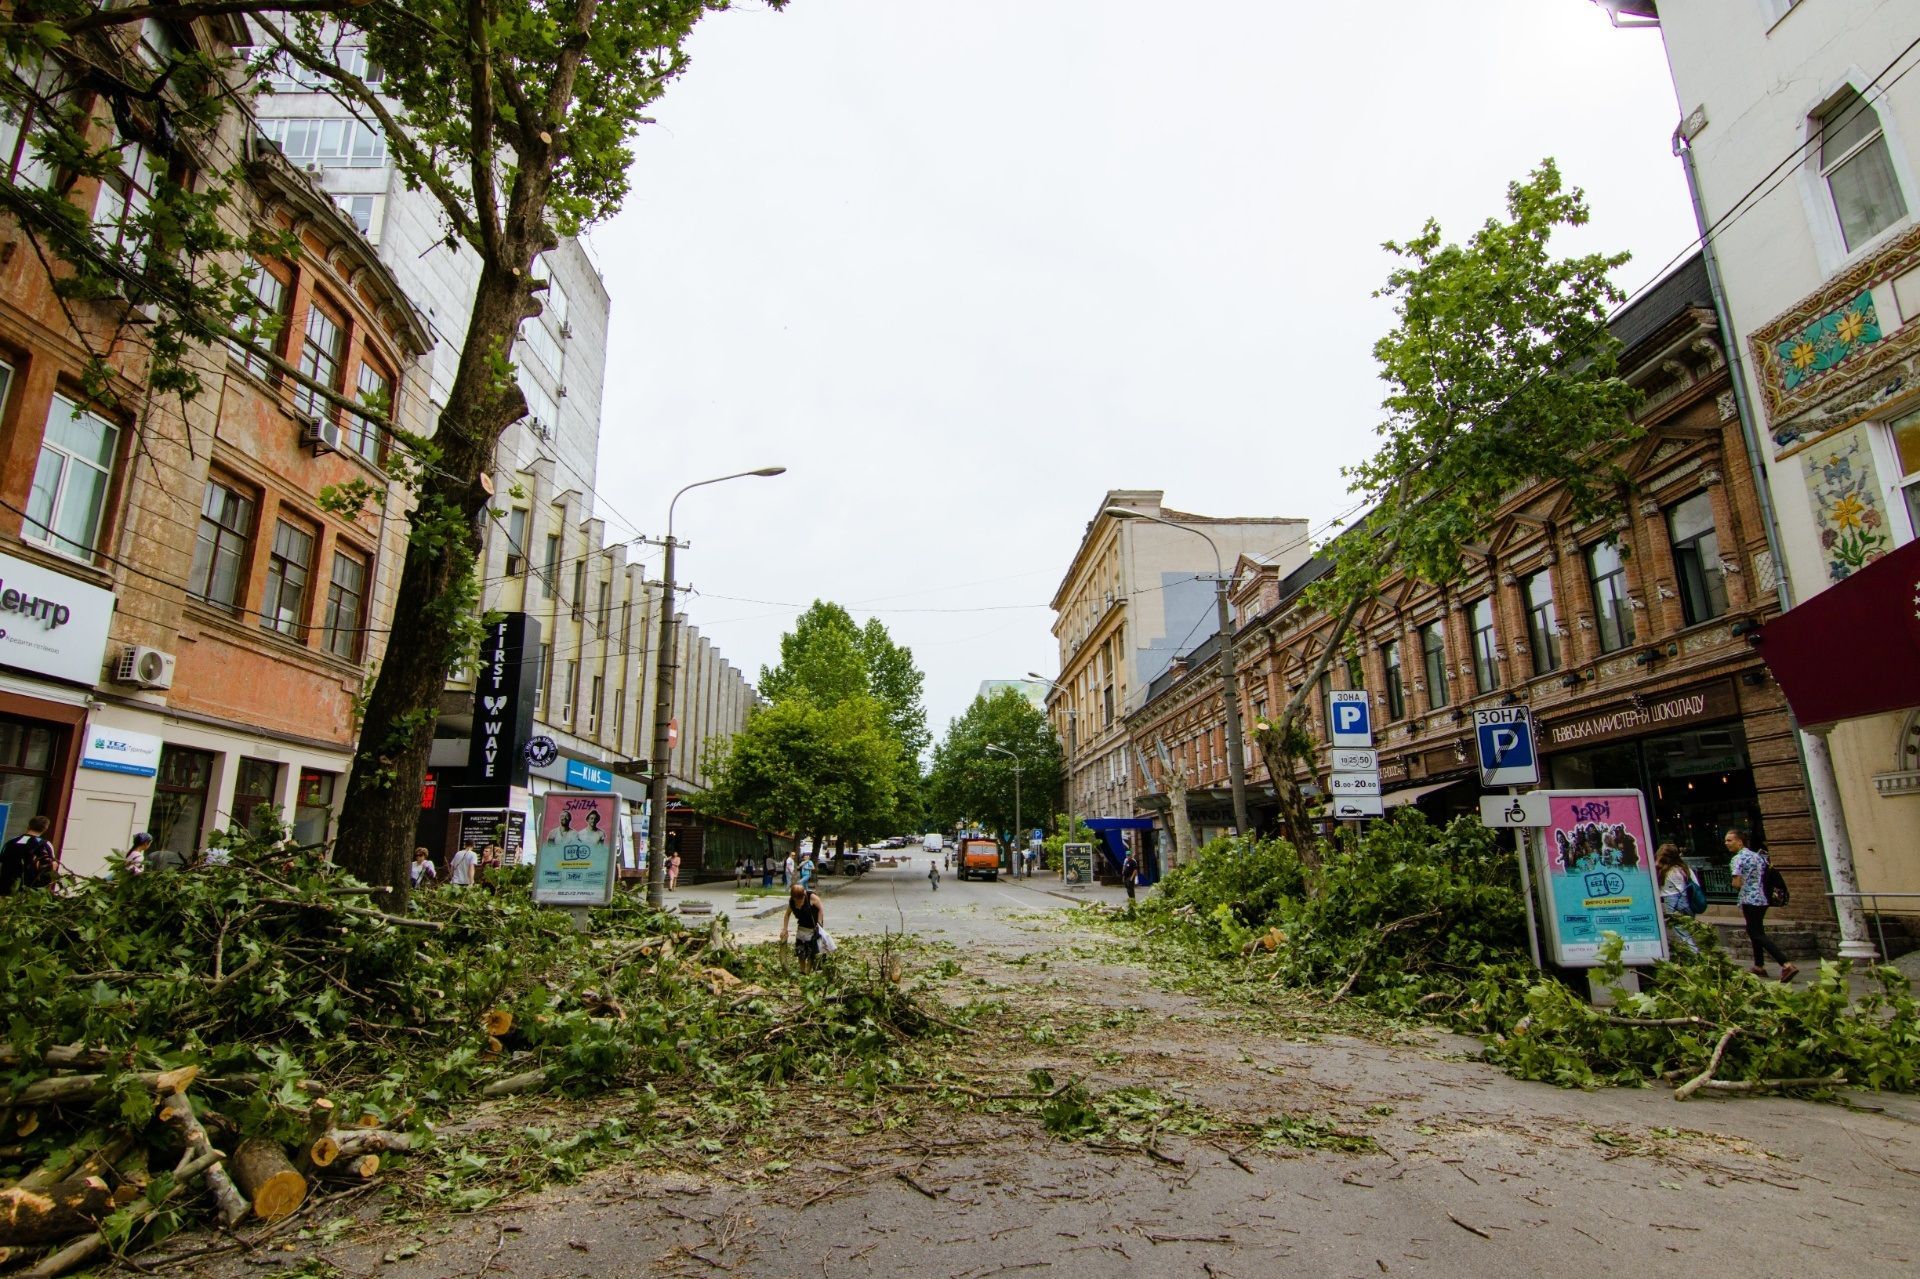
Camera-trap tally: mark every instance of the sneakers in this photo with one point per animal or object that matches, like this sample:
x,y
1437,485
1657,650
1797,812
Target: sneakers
x,y
1758,970
1787,971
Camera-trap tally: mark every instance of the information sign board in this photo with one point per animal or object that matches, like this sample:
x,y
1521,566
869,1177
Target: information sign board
x,y
1595,862
574,865
1078,862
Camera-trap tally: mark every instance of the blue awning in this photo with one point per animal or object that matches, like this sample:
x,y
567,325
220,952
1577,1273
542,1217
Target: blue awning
x,y
1108,829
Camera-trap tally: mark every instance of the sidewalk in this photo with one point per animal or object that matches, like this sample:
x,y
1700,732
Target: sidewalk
x,y
1054,886
723,898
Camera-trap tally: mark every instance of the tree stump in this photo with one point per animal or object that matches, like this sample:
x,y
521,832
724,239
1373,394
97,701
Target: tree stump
x,y
268,1179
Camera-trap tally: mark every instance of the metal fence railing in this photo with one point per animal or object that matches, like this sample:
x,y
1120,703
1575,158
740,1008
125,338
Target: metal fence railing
x,y
1879,916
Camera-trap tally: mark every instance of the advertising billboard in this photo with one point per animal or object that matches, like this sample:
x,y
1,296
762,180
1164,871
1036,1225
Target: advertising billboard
x,y
574,864
1595,862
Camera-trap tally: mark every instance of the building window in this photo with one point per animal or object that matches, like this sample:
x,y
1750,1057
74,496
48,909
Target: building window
x,y
1433,656
123,198
1612,616
262,329
580,588
1858,171
620,721
551,573
376,392
21,121
346,606
593,705
254,787
27,757
1543,623
1326,703
335,144
320,360
313,806
542,655
358,208
1906,456
220,549
288,568
1696,559
1486,669
605,611
626,622
516,541
1396,682
68,500
179,811
568,688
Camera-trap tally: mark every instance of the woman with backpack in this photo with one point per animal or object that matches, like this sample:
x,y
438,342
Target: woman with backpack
x,y
1680,893
1760,887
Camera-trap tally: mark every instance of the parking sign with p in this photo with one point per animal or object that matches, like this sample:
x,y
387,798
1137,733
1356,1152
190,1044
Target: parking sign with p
x,y
1504,735
1352,718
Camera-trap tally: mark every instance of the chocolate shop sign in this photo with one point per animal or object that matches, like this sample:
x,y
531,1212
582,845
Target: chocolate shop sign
x,y
1683,709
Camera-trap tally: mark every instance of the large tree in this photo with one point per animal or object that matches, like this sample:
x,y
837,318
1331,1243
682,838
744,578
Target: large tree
x,y
1500,372
968,782
808,769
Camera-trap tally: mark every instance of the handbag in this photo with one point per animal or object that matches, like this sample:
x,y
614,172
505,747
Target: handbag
x,y
825,944
1696,896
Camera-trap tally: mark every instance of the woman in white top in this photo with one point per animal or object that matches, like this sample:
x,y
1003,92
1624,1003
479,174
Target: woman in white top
x,y
1675,875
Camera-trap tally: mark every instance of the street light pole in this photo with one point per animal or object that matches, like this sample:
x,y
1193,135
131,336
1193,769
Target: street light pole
x,y
663,702
1229,675
1013,863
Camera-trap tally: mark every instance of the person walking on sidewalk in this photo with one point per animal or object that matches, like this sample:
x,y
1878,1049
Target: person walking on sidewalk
x,y
1750,874
933,875
1676,899
1129,872
28,861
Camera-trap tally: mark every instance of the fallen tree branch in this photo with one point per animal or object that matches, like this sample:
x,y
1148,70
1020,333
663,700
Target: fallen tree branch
x,y
526,1081
84,1249
177,1113
1771,1085
1694,1085
55,1089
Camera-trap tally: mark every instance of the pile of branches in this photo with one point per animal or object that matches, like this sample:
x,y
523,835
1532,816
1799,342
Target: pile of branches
x,y
206,1045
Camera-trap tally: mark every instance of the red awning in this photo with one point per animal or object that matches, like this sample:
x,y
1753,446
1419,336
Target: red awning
x,y
1854,649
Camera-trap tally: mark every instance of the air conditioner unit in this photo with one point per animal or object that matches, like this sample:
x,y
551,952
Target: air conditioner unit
x,y
560,393
320,434
313,167
566,330
146,667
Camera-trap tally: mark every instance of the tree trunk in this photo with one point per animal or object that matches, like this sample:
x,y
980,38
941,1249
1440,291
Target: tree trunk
x,y
435,606
58,1212
1179,818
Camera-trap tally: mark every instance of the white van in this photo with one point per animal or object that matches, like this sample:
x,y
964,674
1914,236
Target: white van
x,y
934,843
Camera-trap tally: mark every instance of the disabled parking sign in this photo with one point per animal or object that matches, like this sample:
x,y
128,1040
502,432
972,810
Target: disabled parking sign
x,y
1504,735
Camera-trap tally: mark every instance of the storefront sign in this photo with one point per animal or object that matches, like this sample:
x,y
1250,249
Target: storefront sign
x,y
1594,859
586,776
574,866
51,624
1683,709
113,750
502,709
482,826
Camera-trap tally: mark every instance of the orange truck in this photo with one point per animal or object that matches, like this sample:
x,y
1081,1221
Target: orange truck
x,y
979,859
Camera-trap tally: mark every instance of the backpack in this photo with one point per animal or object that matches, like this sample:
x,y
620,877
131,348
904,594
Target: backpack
x,y
1774,885
1696,896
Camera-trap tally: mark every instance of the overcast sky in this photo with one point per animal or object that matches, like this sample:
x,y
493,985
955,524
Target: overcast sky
x,y
963,267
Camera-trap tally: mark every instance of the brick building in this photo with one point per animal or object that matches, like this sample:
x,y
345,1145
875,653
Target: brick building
x,y
1630,640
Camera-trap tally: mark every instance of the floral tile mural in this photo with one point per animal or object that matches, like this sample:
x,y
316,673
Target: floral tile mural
x,y
1829,341
1845,488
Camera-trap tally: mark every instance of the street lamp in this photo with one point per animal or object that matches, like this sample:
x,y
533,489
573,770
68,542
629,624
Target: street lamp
x,y
1013,863
663,702
1072,734
1229,681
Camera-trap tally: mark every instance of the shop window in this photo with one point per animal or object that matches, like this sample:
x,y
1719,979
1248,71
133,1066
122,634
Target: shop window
x,y
1906,457
1396,681
262,329
27,750
1486,670
220,547
346,618
1433,656
179,810
313,807
375,390
68,500
1543,623
254,789
1612,616
288,569
1696,559
1858,169
320,351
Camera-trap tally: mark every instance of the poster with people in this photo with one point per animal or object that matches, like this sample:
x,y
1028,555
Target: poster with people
x,y
574,864
1597,872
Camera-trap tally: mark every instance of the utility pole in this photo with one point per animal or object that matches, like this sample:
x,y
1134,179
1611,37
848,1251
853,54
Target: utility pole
x,y
663,702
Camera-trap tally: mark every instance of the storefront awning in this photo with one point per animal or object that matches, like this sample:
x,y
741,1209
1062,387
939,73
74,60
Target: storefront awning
x,y
1394,799
1854,649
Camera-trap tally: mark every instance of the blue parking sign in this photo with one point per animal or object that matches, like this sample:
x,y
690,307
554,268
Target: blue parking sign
x,y
1504,735
1352,718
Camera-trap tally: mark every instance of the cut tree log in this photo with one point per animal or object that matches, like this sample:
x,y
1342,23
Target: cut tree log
x,y
176,1112
320,1117
65,1056
267,1178
333,1147
71,1163
525,1081
57,1089
81,1251
59,1212
499,1022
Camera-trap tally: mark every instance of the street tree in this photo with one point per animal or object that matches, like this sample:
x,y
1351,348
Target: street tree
x,y
1500,372
803,768
967,782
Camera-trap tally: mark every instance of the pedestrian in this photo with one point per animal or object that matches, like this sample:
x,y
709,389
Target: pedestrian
x,y
933,875
422,873
134,861
1750,870
807,871
492,858
739,873
461,867
1130,872
673,870
786,872
806,914
1676,896
28,860
766,871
